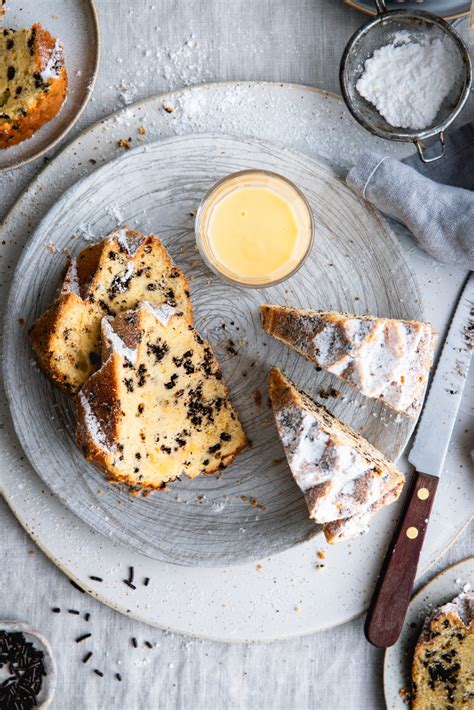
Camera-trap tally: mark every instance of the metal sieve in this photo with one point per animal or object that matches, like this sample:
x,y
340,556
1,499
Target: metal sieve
x,y
381,30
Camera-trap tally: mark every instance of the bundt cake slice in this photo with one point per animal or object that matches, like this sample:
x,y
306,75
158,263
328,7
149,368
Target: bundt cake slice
x,y
443,662
33,82
104,279
383,358
158,408
343,477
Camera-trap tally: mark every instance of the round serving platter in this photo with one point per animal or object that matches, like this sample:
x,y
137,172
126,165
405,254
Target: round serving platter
x,y
398,658
298,597
254,508
76,25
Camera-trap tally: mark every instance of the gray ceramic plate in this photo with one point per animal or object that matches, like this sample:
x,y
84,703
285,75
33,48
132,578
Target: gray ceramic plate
x,y
439,590
448,9
355,265
75,23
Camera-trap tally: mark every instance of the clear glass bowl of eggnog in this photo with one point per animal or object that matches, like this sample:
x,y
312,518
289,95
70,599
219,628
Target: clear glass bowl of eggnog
x,y
254,228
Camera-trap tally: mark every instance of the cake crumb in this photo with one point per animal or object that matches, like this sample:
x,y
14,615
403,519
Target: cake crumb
x,y
124,143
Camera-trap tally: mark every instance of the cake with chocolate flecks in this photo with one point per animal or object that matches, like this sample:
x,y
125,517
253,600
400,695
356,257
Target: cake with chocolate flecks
x,y
384,358
443,663
158,408
33,82
344,479
105,278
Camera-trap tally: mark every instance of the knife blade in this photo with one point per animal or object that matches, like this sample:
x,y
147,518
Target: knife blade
x,y
395,583
437,420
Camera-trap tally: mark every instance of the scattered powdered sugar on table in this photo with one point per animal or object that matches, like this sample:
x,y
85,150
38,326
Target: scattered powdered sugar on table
x,y
407,80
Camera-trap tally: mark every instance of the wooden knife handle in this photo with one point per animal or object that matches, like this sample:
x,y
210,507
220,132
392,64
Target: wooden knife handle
x,y
395,583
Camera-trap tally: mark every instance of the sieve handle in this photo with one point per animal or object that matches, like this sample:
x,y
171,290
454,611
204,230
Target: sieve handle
x,y
381,6
420,147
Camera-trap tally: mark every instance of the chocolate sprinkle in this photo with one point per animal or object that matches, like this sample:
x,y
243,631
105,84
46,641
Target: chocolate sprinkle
x,y
129,584
83,637
146,581
118,676
76,586
87,657
149,644
134,642
87,616
56,610
25,664
73,611
131,573
99,673
96,579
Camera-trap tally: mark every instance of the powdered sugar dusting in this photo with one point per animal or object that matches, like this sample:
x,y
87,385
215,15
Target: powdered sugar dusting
x,y
115,343
162,313
407,80
92,423
317,457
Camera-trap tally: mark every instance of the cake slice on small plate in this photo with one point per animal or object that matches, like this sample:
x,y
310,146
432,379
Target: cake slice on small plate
x,y
33,82
443,662
105,278
158,408
384,358
345,480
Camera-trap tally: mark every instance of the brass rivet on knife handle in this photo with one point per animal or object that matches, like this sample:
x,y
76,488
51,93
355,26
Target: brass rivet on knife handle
x,y
394,586
423,493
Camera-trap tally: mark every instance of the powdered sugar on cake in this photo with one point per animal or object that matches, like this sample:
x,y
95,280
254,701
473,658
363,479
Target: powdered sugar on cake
x,y
92,423
317,457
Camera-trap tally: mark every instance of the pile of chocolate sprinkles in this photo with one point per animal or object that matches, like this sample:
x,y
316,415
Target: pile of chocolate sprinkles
x,y
25,664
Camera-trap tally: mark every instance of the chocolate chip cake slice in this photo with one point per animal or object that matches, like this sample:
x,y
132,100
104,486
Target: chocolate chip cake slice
x,y
158,408
33,82
443,663
384,358
343,477
104,279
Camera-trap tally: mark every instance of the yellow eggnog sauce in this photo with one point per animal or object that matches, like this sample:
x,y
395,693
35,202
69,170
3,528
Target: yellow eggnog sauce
x,y
253,232
255,228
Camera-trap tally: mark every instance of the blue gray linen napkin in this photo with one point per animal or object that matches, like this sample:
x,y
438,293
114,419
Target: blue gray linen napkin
x,y
435,201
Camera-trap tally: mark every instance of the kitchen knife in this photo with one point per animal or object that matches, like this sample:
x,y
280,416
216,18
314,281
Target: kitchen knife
x,y
394,586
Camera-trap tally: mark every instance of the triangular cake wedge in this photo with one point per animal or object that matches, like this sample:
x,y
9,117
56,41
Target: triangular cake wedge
x,y
104,279
384,358
343,477
158,408
443,662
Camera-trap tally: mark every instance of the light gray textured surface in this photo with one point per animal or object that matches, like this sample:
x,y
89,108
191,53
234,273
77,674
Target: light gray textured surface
x,y
266,39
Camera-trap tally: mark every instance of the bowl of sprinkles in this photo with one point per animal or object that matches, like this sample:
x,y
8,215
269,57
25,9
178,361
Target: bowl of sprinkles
x,y
27,668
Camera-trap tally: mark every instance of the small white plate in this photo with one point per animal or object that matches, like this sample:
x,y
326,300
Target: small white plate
x,y
439,590
76,25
